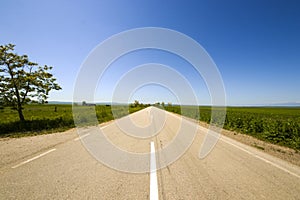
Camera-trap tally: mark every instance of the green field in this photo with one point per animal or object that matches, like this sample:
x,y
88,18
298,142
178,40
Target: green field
x,y
52,118
277,125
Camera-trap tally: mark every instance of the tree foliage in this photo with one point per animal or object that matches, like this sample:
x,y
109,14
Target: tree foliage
x,y
22,81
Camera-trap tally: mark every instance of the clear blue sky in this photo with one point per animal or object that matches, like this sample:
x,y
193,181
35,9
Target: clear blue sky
x,y
255,43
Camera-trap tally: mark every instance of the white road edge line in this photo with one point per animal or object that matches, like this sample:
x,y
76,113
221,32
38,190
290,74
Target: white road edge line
x,y
87,134
103,127
248,152
83,136
153,176
34,158
261,158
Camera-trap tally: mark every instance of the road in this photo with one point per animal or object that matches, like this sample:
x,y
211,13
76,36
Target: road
x,y
58,166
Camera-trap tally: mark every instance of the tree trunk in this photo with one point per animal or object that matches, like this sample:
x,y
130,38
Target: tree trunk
x,y
19,103
21,116
19,107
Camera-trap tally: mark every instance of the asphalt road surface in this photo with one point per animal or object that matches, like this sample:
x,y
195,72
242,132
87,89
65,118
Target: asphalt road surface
x,y
58,166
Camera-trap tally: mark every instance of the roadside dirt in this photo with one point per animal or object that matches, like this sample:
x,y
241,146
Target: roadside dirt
x,y
281,152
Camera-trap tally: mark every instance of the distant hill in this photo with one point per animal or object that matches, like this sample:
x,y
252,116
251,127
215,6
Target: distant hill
x,y
59,102
97,103
288,104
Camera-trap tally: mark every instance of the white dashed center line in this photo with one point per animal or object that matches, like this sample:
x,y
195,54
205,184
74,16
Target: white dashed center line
x,y
32,159
153,176
83,136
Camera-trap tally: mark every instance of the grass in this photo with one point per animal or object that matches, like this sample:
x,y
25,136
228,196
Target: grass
x,y
258,147
277,125
42,119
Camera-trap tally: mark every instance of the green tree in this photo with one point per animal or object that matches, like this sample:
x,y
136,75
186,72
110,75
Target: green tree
x,y
136,103
22,81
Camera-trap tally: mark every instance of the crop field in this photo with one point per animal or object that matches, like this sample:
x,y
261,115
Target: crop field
x,y
51,118
277,125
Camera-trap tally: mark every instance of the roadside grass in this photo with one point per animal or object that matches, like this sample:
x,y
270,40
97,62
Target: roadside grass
x,y
277,125
50,118
258,147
